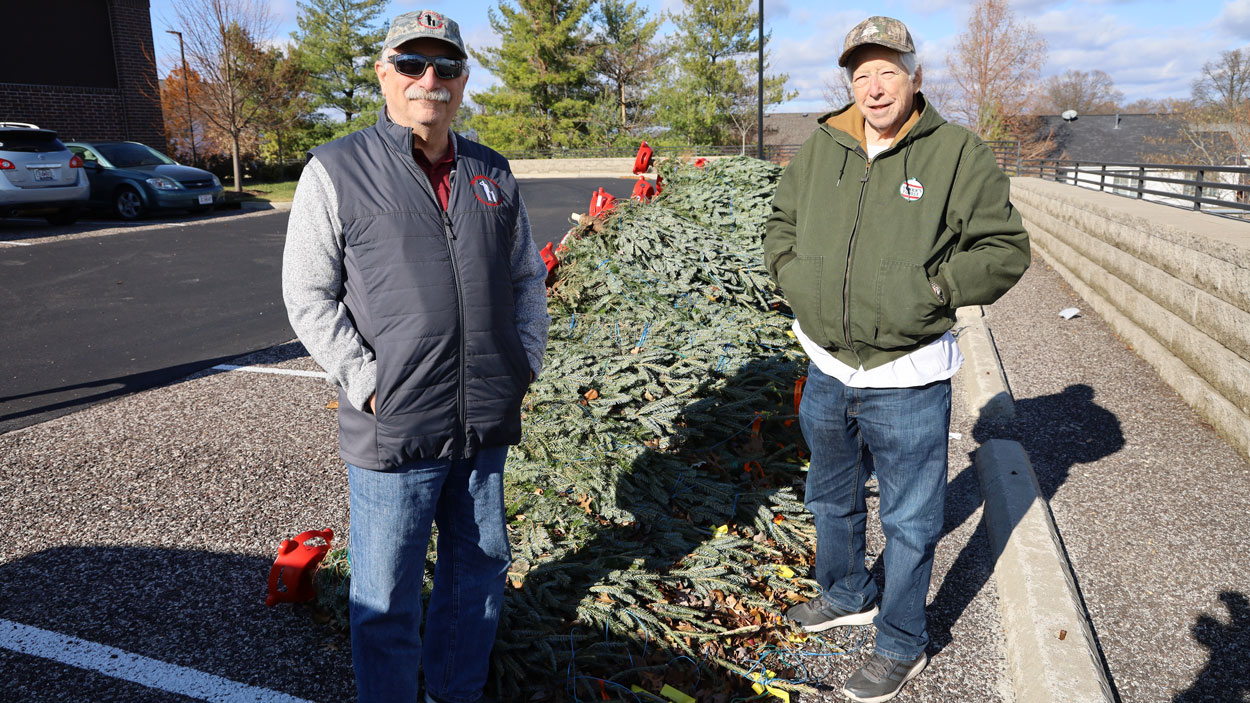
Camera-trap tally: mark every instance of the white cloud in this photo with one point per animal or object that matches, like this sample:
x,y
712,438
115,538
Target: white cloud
x,y
1234,19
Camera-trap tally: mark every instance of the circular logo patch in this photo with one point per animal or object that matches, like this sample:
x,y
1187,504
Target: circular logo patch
x,y
486,191
911,189
431,20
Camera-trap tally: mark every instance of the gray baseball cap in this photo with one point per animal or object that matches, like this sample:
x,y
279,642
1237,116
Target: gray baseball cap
x,y
424,23
882,31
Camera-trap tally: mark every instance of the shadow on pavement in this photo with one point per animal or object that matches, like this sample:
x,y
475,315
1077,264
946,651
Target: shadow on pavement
x,y
1057,431
1227,674
28,406
14,408
193,608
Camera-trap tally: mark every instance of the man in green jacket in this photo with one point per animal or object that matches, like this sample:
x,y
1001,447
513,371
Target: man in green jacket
x,y
886,221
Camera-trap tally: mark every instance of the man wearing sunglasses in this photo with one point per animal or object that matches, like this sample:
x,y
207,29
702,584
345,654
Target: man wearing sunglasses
x,y
411,276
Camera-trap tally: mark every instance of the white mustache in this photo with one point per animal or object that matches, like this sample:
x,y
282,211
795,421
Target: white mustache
x,y
416,92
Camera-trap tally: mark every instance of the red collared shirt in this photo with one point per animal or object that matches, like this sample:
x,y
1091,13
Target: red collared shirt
x,y
439,173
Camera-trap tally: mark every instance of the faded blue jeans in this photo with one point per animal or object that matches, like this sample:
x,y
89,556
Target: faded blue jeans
x,y
903,433
391,514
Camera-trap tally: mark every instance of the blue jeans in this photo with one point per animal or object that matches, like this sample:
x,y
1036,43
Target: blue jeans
x,y
391,513
902,432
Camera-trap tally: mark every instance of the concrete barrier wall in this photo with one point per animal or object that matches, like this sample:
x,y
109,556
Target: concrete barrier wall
x,y
1174,284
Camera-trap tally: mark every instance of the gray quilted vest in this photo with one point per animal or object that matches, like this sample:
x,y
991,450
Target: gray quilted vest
x,y
431,294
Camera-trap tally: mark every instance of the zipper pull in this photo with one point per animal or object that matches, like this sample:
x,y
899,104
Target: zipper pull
x,y
447,225
867,168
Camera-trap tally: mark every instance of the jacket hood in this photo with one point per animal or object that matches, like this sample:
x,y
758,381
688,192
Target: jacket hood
x,y
847,123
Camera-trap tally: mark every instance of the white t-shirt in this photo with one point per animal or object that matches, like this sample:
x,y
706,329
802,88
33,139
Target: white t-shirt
x,y
934,362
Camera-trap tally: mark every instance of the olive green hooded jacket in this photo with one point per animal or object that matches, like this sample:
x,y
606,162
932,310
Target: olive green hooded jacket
x,y
875,257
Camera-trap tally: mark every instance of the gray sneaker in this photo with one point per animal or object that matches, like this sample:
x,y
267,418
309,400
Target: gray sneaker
x,y
881,678
817,616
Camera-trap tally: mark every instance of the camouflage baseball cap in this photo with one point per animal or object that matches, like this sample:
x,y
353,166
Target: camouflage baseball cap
x,y
424,23
882,31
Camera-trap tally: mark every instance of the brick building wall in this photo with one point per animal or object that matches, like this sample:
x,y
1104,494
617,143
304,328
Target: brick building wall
x,y
131,110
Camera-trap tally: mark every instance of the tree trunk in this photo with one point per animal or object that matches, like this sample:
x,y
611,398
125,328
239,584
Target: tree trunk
x,y
234,156
621,86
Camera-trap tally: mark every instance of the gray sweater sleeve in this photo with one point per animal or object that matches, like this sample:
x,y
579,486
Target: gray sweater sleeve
x,y
312,287
529,288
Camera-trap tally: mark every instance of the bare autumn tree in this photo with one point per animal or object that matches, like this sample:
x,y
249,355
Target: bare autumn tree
x,y
1220,125
1089,93
239,81
995,66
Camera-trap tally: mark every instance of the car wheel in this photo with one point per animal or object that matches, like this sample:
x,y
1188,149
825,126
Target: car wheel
x,y
127,204
63,217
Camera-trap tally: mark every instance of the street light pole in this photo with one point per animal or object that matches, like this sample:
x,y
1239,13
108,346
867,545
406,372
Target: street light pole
x,y
186,86
760,123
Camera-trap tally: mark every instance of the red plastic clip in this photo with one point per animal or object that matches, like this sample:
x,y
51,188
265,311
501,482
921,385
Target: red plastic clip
x,y
753,468
659,184
798,393
294,567
700,162
601,201
643,190
643,161
551,260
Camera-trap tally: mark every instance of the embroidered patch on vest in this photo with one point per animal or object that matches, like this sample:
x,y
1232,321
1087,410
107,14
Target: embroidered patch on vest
x,y
486,191
911,189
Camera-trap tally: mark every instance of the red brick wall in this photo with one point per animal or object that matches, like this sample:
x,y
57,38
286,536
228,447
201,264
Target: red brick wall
x,y
130,111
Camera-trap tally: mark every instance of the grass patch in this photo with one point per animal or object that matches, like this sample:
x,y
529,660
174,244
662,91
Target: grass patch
x,y
279,192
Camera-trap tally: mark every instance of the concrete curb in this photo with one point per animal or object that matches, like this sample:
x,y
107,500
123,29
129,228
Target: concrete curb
x,y
982,376
1051,654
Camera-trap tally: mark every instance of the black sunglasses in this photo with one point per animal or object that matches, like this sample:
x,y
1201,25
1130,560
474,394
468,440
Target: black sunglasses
x,y
414,65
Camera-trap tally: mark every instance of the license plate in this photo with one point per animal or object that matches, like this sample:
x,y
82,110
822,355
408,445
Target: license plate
x,y
44,174
206,199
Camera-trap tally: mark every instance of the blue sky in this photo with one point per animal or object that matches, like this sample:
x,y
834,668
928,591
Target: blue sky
x,y
1150,48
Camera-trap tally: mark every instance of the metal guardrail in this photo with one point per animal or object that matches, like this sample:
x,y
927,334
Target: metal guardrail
x,y
1219,190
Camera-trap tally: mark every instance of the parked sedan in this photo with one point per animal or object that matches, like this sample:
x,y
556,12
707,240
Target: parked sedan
x,y
132,179
38,175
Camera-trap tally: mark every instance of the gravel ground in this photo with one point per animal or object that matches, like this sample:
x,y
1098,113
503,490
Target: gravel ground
x,y
1151,503
149,524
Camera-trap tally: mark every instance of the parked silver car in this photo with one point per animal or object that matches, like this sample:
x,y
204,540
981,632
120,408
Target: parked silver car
x,y
38,175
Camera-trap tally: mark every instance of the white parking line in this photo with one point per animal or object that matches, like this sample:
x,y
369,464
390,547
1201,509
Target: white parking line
x,y
17,244
264,369
120,664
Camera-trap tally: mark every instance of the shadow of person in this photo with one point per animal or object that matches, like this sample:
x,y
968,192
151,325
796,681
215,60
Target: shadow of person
x,y
1227,673
142,623
1058,431
628,603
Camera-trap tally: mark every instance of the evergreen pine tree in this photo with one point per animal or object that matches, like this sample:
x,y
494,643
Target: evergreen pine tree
x,y
713,78
545,67
338,45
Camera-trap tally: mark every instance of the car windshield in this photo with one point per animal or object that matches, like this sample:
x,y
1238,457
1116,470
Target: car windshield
x,y
29,140
130,155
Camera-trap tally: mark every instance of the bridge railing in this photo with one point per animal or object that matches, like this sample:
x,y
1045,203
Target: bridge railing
x,y
1219,190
